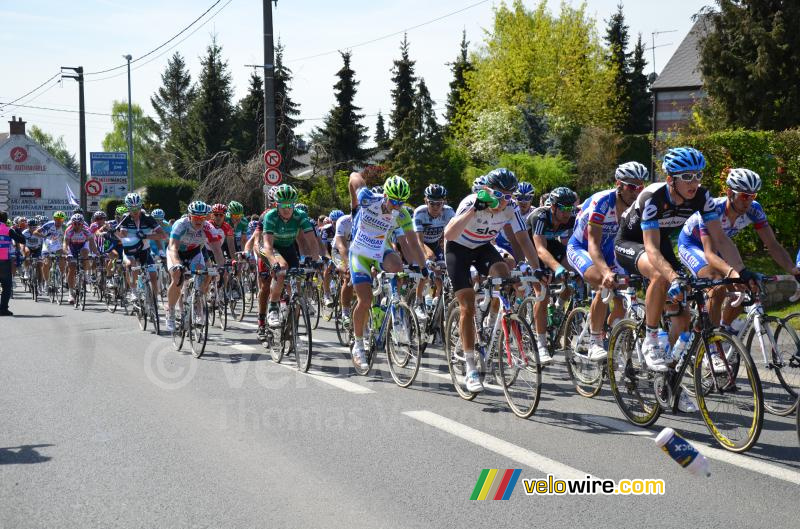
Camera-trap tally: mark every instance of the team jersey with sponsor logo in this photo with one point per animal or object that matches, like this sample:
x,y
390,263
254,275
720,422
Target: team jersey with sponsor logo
x,y
285,232
695,226
432,228
599,209
344,227
486,224
76,236
371,225
540,222
191,238
654,210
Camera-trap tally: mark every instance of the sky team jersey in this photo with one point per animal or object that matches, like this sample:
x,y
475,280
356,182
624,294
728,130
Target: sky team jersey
x,y
432,229
285,232
191,238
485,225
371,225
32,242
327,232
540,222
344,228
146,225
695,226
599,209
654,210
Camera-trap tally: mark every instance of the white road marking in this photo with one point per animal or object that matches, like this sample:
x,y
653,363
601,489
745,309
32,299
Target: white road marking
x,y
243,347
498,446
337,382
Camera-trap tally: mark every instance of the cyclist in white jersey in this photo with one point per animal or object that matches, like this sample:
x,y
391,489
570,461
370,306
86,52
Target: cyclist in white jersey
x,y
339,253
469,235
375,217
429,222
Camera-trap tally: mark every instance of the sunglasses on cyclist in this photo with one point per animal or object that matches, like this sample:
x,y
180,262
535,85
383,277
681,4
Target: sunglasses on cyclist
x,y
196,218
133,208
396,202
689,177
435,203
633,187
525,198
562,207
499,195
217,214
286,205
744,197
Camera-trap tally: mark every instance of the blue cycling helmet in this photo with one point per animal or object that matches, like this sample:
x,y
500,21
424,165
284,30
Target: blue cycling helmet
x,y
683,159
335,215
524,189
252,225
158,214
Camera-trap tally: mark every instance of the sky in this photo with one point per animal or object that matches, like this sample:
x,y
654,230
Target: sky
x,y
38,37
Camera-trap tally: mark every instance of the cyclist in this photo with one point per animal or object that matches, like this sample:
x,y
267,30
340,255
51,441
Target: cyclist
x,y
133,230
523,197
238,223
158,247
429,222
224,230
32,249
737,210
78,240
376,217
327,235
253,246
339,255
590,250
282,227
53,234
643,243
189,236
469,235
551,227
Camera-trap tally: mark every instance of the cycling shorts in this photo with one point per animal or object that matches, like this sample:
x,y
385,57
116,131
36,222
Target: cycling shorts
x,y
580,260
692,257
361,267
459,258
629,252
142,256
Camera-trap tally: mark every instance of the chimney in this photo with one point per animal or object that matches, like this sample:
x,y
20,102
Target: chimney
x,y
16,126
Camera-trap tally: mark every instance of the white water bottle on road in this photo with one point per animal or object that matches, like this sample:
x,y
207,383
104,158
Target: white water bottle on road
x,y
683,452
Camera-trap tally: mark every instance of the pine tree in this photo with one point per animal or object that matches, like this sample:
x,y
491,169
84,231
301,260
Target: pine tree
x,y
381,136
617,40
286,112
172,103
212,114
640,117
458,85
249,133
403,91
343,134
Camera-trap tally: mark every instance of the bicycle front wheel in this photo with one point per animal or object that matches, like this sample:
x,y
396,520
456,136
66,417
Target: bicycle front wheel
x,y
302,337
630,380
780,375
198,324
141,310
403,344
518,361
586,376
732,404
454,352
153,310
314,304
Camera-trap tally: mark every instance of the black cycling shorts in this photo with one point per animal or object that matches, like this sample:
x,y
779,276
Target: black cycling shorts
x,y
459,258
557,249
290,254
629,252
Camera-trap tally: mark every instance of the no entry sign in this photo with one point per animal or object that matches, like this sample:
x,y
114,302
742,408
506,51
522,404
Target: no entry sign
x,y
93,187
273,158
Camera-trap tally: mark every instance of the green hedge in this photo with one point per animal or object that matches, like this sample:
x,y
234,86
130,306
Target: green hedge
x,y
169,194
775,156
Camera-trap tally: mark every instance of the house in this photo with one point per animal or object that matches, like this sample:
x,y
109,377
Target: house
x,y
32,182
680,85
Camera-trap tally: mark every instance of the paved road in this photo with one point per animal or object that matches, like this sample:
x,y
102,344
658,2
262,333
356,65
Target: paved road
x,y
107,426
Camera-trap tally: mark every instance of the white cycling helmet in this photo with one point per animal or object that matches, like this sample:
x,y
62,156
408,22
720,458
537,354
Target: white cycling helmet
x,y
632,172
744,180
133,200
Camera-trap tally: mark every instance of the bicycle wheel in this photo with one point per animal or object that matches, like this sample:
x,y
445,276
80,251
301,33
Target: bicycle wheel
x,y
518,362
111,298
198,323
61,287
329,312
235,297
287,337
222,309
82,292
314,304
454,353
140,308
34,275
586,376
153,310
303,337
181,321
780,377
630,380
402,344
732,405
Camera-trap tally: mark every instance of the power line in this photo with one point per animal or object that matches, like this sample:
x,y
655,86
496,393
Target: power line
x,y
330,52
32,91
60,110
159,46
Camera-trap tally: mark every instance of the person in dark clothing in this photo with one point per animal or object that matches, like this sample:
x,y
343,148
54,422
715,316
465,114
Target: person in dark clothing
x,y
8,236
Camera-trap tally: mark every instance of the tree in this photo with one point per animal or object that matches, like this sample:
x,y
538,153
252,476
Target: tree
x,y
618,57
148,157
249,134
172,103
211,117
641,104
403,91
56,147
749,62
286,113
460,68
381,135
342,133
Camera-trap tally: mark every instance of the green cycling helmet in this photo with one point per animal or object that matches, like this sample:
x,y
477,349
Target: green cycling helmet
x,y
59,215
397,188
285,193
121,210
235,208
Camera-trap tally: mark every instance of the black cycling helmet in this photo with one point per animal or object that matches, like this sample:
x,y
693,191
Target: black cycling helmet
x,y
562,196
502,178
435,192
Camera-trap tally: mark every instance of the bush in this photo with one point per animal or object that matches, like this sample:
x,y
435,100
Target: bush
x,y
636,148
170,194
545,172
110,205
597,153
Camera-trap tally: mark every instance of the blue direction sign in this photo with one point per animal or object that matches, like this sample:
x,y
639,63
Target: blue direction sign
x,y
109,163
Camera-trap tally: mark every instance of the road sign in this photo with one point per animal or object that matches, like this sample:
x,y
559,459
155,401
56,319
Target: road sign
x,y
109,163
93,187
273,158
273,176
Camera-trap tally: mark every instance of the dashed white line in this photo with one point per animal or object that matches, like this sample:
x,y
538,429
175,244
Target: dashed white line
x,y
498,446
243,347
337,382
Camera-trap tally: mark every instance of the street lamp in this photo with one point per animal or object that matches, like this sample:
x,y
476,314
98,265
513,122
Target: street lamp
x,y
130,128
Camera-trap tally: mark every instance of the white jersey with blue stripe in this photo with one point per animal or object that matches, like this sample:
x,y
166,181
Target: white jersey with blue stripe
x,y
432,228
695,227
599,209
486,224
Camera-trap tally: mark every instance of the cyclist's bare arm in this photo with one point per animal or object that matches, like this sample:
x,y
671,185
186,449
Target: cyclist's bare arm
x,y
652,245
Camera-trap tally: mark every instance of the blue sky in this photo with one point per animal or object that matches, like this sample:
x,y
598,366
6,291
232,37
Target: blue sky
x,y
40,36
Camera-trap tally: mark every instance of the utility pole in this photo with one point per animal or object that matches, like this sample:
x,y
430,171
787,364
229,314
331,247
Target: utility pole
x,y
130,128
82,126
270,140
